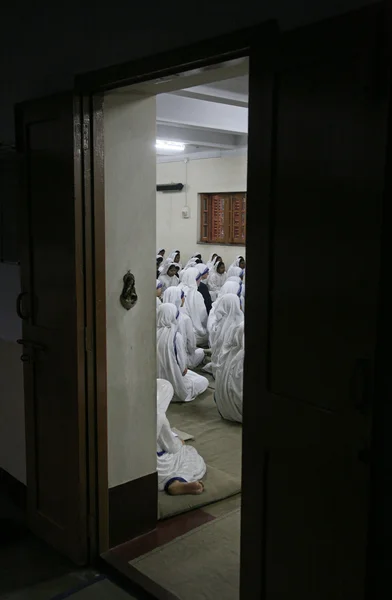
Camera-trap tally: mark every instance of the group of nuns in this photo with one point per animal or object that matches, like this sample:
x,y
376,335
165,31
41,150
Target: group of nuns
x,y
200,314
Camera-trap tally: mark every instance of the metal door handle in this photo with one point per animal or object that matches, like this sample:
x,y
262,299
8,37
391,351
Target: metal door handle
x,y
19,306
25,358
361,385
30,344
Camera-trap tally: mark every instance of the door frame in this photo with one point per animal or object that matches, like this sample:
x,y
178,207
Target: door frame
x,y
90,87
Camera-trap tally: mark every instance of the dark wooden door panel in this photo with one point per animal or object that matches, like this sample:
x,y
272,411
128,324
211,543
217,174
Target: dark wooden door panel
x,y
53,335
52,222
322,509
316,156
326,239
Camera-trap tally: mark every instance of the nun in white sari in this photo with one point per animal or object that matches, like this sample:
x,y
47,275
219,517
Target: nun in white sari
x,y
195,356
167,275
180,467
229,376
159,293
230,287
210,263
175,257
172,357
239,262
191,263
235,272
194,305
228,316
217,278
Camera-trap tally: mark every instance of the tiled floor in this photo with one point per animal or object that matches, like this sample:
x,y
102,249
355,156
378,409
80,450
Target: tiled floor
x,y
30,570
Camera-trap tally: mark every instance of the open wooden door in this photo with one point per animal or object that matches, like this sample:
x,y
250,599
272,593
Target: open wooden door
x,y
317,142
52,308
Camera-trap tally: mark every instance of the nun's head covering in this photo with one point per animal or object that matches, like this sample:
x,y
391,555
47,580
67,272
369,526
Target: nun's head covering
x,y
229,307
203,270
235,272
165,393
173,295
173,254
192,262
166,266
166,316
190,278
230,287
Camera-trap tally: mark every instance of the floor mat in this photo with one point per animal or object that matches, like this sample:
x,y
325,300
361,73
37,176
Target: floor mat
x,y
217,486
218,442
202,564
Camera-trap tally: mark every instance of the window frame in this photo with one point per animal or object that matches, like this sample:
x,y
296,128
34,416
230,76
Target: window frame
x,y
206,218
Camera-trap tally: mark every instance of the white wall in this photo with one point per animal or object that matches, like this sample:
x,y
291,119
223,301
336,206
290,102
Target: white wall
x,y
130,180
12,421
227,174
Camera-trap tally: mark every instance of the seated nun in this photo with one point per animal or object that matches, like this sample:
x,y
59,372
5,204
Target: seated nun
x,y
216,279
203,289
168,275
175,257
192,262
159,264
235,272
159,293
210,263
172,357
228,315
229,376
179,466
195,356
230,287
194,305
239,262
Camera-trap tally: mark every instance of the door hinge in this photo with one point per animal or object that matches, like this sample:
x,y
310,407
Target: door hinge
x,y
86,136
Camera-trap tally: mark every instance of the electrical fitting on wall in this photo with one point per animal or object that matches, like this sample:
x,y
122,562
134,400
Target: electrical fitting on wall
x,y
186,211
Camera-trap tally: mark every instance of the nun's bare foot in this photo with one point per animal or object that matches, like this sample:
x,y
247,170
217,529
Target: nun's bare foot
x,y
179,488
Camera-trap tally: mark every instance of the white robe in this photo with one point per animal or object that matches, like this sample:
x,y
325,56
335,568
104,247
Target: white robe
x,y
236,263
168,281
172,357
194,305
229,376
210,263
235,272
164,277
174,459
172,256
194,355
228,316
215,282
230,287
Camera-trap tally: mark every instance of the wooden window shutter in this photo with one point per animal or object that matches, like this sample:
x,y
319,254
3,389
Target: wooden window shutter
x,y
238,219
205,218
218,219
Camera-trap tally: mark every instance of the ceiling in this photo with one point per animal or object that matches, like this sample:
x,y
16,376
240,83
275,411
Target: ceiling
x,y
211,119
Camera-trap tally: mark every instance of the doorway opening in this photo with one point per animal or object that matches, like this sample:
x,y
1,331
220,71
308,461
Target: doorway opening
x,y
175,170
